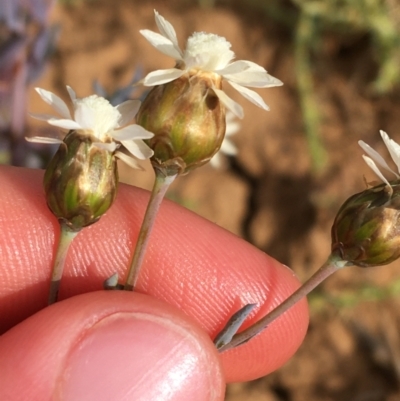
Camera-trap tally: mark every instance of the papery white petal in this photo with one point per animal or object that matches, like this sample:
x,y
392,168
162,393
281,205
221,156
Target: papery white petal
x,y
393,148
254,79
250,74
107,146
161,43
43,139
162,76
84,116
54,101
373,154
228,148
229,103
71,93
250,95
254,66
133,131
375,169
130,161
66,124
240,66
167,30
139,149
42,117
128,111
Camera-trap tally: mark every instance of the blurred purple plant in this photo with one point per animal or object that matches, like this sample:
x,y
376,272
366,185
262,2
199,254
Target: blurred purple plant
x,y
26,42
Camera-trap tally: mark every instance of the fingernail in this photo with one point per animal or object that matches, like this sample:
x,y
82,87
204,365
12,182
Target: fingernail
x,y
137,356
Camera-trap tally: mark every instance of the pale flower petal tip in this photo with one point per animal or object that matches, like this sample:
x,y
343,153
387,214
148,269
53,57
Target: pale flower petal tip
x,y
375,169
130,161
168,31
54,101
71,93
229,103
373,158
138,149
160,77
128,111
43,139
111,147
207,53
95,116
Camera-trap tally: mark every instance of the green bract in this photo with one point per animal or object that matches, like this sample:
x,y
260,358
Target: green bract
x,y
188,122
80,181
366,230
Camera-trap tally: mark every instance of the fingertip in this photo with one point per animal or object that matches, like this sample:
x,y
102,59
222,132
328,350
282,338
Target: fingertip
x,y
110,346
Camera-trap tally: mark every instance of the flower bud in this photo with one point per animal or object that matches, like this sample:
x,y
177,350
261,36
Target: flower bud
x,y
81,181
187,119
366,230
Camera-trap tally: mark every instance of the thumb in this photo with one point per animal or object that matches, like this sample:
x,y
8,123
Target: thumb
x,y
109,346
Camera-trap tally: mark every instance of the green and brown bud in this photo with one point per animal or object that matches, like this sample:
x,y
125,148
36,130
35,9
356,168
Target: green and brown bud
x,y
187,119
366,230
80,181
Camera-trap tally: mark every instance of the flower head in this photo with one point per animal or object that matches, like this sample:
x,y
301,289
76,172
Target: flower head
x,y
188,122
366,230
211,54
374,158
81,181
106,124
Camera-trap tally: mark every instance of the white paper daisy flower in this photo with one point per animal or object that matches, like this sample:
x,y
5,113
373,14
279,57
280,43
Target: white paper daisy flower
x,y
110,125
374,159
206,52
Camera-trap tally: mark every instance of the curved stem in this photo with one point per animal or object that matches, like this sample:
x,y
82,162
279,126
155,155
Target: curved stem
x,y
333,264
161,185
66,238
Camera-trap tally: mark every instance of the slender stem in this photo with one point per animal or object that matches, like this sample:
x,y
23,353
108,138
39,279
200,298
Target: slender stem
x,y
333,264
66,238
161,185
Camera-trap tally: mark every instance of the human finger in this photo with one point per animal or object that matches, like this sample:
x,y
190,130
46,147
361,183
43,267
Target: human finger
x,y
191,263
113,345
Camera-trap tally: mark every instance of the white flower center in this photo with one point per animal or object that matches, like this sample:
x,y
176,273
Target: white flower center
x,y
207,51
97,114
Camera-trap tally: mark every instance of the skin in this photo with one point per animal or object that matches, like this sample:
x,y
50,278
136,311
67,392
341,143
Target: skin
x,y
151,344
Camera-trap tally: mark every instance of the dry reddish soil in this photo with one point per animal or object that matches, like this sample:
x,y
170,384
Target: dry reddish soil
x,y
269,194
